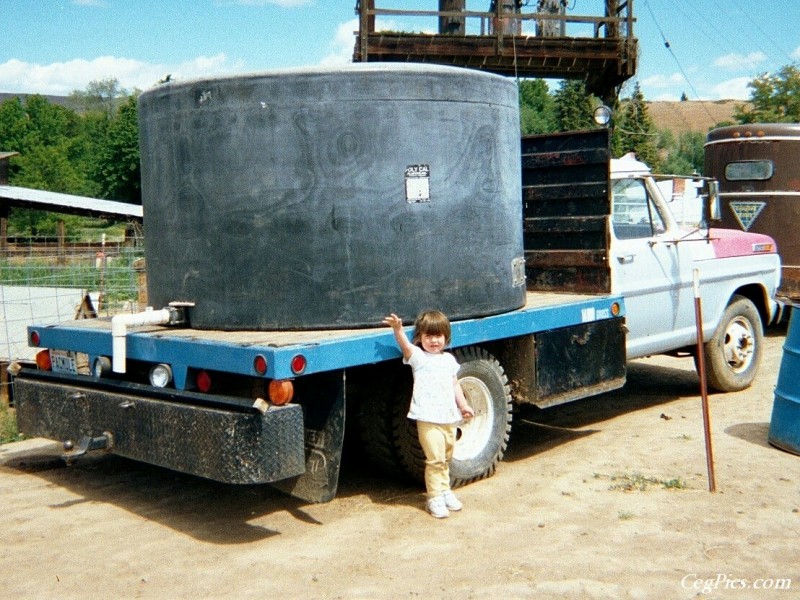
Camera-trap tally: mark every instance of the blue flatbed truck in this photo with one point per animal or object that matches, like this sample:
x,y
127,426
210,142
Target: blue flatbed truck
x,y
268,407
558,347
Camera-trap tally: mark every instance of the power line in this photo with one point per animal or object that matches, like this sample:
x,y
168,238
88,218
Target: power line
x,y
764,33
677,62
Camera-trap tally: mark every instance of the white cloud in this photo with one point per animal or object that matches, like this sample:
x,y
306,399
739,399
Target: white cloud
x,y
62,78
796,54
740,62
663,81
733,89
342,45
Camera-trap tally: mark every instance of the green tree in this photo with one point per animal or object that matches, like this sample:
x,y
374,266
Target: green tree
x,y
682,156
100,95
118,165
536,107
775,98
634,130
574,107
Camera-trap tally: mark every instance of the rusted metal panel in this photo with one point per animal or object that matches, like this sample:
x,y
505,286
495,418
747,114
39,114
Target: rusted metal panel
x,y
576,362
566,209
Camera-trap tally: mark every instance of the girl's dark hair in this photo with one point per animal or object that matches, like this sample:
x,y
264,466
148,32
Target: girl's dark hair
x,y
432,322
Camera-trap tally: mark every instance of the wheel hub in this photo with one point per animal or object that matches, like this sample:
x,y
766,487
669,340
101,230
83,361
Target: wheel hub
x,y
739,345
473,434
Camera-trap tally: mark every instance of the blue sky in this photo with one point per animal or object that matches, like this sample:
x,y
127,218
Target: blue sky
x,y
57,46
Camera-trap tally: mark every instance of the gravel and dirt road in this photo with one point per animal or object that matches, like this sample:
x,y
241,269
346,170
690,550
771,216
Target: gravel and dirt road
x,y
602,498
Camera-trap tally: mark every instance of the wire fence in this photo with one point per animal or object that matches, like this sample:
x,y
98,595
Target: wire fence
x,y
48,280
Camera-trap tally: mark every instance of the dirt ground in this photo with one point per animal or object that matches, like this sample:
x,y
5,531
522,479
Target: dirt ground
x,y
603,498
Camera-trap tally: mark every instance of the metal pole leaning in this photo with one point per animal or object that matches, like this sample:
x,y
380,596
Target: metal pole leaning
x,y
701,370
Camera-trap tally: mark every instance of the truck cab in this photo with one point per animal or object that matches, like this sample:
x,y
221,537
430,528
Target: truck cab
x,y
659,243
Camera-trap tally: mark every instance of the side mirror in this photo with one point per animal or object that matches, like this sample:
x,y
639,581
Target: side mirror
x,y
714,205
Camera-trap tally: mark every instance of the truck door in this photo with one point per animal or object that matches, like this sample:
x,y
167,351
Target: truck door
x,y
651,271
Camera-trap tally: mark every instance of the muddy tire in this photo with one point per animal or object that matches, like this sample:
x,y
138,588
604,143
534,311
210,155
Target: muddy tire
x,y
733,353
387,395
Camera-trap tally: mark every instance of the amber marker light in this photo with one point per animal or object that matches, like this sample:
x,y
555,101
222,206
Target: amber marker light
x,y
280,391
43,360
616,309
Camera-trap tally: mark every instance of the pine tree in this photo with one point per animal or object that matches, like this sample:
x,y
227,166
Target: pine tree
x,y
634,130
574,107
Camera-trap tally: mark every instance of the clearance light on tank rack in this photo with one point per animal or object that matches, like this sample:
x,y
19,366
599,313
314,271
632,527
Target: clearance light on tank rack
x,y
260,364
298,364
280,391
616,309
762,248
35,339
203,381
161,375
43,360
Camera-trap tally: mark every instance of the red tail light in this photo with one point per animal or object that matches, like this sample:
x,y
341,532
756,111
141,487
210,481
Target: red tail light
x,y
298,364
260,364
203,381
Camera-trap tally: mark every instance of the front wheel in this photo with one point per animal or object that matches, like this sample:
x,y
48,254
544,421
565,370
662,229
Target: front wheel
x,y
733,353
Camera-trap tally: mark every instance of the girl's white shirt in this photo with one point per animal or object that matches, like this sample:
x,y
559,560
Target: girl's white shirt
x,y
434,398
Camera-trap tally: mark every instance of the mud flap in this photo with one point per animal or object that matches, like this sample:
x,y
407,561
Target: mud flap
x,y
322,398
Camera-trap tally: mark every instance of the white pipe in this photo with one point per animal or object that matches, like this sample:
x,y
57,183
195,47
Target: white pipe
x,y
119,329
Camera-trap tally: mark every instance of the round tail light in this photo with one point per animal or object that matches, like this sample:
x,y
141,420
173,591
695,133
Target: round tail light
x,y
43,360
280,391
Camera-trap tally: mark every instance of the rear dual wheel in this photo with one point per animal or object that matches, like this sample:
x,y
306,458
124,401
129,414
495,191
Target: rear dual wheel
x,y
481,441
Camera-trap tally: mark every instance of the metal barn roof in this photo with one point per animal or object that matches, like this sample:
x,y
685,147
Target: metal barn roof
x,y
21,197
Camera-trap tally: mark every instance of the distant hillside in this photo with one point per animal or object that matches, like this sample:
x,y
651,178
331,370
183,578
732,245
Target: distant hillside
x,y
60,100
680,117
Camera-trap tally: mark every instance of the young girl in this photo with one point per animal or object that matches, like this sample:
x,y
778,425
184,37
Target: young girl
x,y
437,402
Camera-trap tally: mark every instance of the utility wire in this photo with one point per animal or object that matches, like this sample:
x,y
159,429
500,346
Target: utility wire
x,y
677,62
764,33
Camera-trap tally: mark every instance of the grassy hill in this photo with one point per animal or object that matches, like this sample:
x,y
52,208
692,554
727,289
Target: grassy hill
x,y
700,116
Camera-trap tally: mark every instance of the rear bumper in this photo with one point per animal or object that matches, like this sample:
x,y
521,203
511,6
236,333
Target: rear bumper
x,y
225,444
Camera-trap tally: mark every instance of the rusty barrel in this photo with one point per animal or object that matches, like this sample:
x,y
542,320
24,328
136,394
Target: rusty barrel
x,y
784,427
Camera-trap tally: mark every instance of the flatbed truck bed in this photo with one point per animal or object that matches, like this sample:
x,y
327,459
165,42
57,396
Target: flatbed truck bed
x,y
324,350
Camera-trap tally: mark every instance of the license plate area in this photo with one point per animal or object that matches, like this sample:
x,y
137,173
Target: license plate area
x,y
64,361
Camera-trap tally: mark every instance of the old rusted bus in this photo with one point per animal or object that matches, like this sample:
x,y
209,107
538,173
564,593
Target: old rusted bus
x,y
758,169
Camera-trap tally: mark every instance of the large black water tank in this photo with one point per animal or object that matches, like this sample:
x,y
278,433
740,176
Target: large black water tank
x,y
322,198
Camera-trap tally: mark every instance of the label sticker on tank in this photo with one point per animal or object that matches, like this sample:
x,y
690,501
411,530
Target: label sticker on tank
x,y
418,186
518,271
746,212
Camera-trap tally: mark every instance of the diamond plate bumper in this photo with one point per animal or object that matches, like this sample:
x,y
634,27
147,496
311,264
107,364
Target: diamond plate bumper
x,y
227,445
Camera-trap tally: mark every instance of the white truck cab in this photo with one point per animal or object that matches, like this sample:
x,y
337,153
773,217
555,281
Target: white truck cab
x,y
654,256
